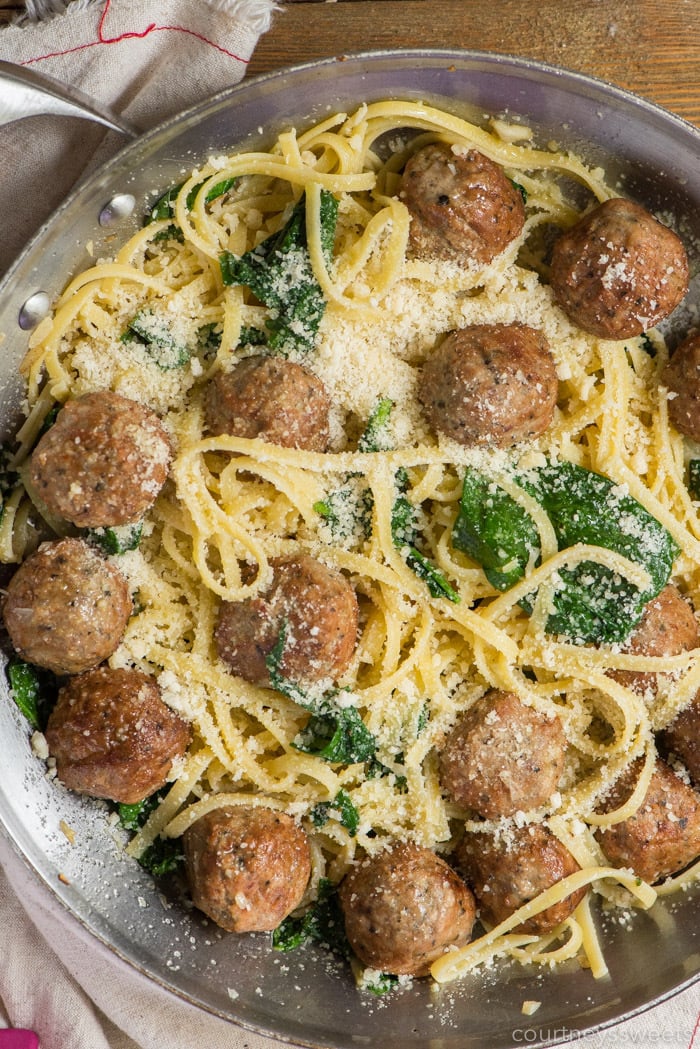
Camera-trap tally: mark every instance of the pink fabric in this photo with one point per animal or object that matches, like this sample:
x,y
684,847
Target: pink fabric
x,y
18,1039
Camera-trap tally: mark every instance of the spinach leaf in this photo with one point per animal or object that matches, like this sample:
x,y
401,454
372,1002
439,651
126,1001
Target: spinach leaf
x,y
347,511
322,923
164,855
279,273
164,207
117,540
347,814
337,735
375,437
403,533
153,333
494,531
334,732
590,603
33,689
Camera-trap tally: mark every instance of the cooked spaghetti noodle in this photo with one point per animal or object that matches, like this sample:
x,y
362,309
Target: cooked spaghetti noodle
x,y
420,659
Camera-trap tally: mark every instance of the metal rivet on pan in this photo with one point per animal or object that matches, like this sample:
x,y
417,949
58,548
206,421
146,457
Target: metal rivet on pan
x,y
33,310
119,207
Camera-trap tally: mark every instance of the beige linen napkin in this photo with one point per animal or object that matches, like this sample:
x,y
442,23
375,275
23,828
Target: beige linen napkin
x,y
147,59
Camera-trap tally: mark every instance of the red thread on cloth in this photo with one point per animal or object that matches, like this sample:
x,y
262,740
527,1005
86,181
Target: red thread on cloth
x,y
696,1030
102,39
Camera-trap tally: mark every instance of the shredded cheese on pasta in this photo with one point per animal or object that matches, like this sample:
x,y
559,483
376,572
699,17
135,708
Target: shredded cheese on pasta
x,y
231,500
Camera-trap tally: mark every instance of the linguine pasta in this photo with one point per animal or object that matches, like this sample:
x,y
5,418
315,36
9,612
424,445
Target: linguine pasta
x,y
421,659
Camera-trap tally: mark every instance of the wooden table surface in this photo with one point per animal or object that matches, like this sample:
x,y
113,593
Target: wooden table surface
x,y
651,47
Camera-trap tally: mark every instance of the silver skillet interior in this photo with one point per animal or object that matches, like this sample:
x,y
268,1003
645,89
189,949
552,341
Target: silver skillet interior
x,y
305,997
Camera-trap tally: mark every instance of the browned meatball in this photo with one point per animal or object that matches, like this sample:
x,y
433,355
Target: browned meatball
x,y
404,908
462,204
667,628
618,271
103,461
502,757
663,835
682,738
682,377
315,606
247,867
66,608
490,384
274,399
113,736
508,871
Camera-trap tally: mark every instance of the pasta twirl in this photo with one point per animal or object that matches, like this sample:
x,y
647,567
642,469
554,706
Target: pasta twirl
x,y
232,505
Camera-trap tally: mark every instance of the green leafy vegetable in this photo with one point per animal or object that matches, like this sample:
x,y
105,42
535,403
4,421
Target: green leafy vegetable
x,y
403,532
280,275
164,207
342,805
337,735
335,732
164,855
322,923
161,345
375,437
694,478
495,531
347,511
590,603
33,690
117,540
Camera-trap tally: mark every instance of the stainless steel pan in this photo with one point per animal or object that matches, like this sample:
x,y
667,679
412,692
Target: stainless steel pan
x,y
309,999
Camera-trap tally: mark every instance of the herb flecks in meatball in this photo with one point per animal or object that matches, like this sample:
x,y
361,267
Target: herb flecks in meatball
x,y
509,870
103,462
66,608
313,606
618,271
490,384
113,736
663,835
247,867
276,400
463,206
404,908
682,377
502,757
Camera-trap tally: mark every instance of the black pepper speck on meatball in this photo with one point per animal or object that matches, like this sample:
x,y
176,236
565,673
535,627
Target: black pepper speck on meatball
x,y
667,628
509,870
247,867
404,908
682,377
317,609
502,757
663,835
113,736
103,461
276,400
490,384
618,271
462,204
66,608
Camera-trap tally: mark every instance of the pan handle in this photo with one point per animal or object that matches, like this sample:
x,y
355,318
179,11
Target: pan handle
x,y
25,93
